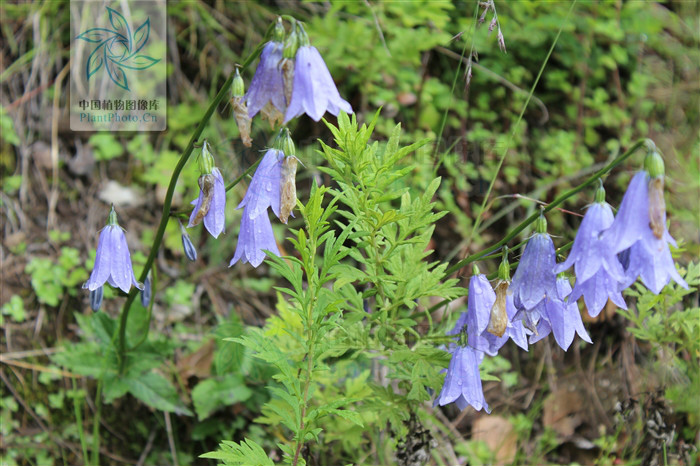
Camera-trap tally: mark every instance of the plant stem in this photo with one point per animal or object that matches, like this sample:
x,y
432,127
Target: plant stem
x,y
79,421
166,215
96,424
158,239
556,202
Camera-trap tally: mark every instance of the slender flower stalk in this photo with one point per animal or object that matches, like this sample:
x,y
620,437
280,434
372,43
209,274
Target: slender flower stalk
x,y
167,203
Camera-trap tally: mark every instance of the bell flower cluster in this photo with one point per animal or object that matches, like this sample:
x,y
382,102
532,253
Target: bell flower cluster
x,y
639,232
292,79
477,335
540,297
608,254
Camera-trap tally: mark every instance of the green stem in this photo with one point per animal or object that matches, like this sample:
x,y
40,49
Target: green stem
x,y
555,203
96,424
311,276
158,239
79,421
166,215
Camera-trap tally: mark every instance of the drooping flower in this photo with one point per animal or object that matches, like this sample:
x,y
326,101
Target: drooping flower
x,y
266,91
535,279
264,189
463,380
478,317
96,296
313,90
187,246
598,270
560,317
654,267
597,290
146,293
113,261
255,237
640,227
210,206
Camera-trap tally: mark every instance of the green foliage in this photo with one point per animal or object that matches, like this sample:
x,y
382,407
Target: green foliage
x,y
385,231
49,278
106,146
7,128
15,309
674,331
352,328
96,357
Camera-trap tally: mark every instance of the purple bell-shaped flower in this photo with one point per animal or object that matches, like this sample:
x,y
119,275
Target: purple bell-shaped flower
x,y
560,317
463,380
113,261
313,90
210,206
535,279
640,229
255,237
598,271
266,91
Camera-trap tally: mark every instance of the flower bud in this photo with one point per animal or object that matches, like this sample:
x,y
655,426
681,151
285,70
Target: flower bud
x,y
654,164
284,142
96,298
541,224
278,33
504,266
187,245
291,44
600,192
112,219
206,160
145,294
237,87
